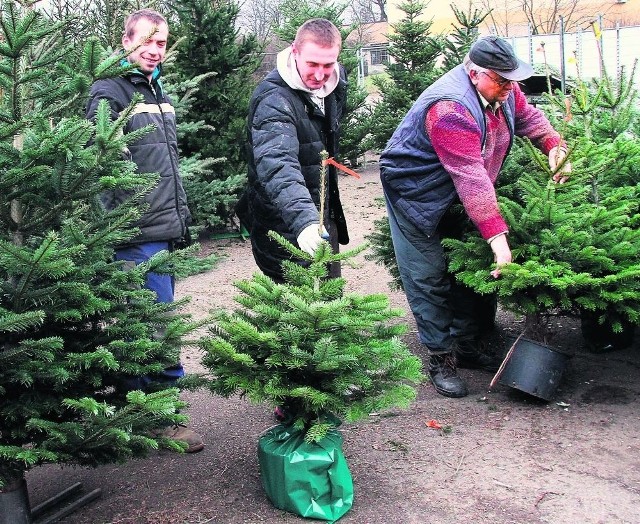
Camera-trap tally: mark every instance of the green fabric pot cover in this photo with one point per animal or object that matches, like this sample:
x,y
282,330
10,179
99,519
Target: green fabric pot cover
x,y
310,480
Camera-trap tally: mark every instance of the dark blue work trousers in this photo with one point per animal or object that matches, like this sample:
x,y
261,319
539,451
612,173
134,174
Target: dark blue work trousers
x,y
444,309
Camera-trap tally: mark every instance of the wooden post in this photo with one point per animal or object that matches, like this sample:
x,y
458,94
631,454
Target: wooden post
x,y
323,188
16,205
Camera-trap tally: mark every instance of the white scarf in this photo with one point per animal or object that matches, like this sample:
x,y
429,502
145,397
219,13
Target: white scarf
x,y
286,65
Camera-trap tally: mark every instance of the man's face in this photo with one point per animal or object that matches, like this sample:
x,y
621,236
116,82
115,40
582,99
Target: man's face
x,y
153,48
492,86
315,63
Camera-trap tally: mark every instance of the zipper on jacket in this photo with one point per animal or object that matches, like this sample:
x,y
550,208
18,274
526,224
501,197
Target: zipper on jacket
x,y
176,172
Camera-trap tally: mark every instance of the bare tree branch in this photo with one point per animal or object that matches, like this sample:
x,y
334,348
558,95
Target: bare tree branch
x,y
501,14
542,16
259,17
367,11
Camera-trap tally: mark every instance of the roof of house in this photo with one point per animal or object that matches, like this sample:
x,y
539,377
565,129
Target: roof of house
x,y
372,33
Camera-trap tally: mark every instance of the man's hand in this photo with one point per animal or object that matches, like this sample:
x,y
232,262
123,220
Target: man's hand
x,y
501,252
556,156
309,239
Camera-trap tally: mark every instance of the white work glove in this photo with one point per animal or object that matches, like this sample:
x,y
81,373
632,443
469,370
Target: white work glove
x,y
309,239
556,156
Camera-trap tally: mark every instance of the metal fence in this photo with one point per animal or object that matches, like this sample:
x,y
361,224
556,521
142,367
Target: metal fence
x,y
583,53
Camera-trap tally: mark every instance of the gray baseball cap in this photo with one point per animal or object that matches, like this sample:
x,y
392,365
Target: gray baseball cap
x,y
492,52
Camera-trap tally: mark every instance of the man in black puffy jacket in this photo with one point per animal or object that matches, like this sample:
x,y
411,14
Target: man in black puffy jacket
x,y
165,220
294,114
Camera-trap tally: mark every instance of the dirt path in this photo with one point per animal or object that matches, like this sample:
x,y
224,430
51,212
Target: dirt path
x,y
507,458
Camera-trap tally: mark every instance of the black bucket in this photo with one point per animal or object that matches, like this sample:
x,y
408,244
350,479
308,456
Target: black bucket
x,y
533,368
14,503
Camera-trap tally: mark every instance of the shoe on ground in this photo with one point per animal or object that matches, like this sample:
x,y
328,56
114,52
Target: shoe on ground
x,y
444,376
181,433
470,356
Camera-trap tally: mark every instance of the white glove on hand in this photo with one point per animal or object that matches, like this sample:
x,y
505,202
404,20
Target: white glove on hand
x,y
556,156
309,239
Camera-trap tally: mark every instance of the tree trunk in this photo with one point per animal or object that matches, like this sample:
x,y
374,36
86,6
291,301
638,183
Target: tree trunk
x,y
536,327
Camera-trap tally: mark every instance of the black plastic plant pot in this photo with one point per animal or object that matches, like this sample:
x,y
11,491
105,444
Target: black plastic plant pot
x,y
534,368
14,503
600,338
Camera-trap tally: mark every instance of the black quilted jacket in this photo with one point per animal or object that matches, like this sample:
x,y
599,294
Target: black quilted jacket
x,y
286,133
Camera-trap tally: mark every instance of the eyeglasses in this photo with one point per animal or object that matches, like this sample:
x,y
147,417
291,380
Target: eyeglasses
x,y
502,82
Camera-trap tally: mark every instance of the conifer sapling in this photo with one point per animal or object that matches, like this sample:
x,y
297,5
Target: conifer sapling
x,y
307,345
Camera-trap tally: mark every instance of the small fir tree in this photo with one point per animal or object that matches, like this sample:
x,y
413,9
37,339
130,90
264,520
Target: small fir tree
x,y
570,252
73,323
212,45
601,109
310,347
464,34
598,119
415,53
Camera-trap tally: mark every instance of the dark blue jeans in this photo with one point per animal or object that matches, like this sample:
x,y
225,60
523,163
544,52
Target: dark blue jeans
x,y
443,308
163,286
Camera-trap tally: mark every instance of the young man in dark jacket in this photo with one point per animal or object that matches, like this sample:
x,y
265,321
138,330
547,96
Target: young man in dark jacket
x,y
166,219
294,114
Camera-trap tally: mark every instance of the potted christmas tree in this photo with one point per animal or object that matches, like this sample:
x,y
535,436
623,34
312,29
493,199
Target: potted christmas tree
x,y
604,119
571,251
321,355
72,322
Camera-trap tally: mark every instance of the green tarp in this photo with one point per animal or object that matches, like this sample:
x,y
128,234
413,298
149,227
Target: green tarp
x,y
310,480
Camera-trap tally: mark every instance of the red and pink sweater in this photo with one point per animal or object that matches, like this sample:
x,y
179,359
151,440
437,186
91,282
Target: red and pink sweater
x,y
456,139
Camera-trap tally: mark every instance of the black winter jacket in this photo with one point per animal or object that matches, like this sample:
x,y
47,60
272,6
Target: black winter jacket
x,y
167,217
285,134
